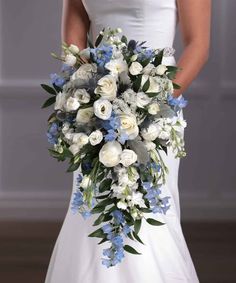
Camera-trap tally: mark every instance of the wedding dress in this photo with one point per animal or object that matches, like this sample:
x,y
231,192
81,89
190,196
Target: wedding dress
x,y
165,258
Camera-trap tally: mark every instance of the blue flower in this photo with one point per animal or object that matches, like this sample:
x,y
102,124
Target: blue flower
x,y
108,252
102,54
57,80
118,216
111,135
77,201
107,228
67,69
106,262
52,133
86,214
117,241
123,138
126,229
178,102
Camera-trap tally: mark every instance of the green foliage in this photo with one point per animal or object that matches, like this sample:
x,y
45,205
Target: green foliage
x,y
154,222
49,102
131,250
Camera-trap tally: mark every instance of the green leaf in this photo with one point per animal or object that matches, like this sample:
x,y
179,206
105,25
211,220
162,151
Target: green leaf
x,y
130,236
154,222
158,58
99,39
49,102
137,225
103,196
99,220
49,89
145,209
57,88
100,177
131,250
73,167
137,238
97,209
146,85
52,117
105,185
176,86
137,83
97,233
102,241
90,44
152,94
124,39
67,152
172,68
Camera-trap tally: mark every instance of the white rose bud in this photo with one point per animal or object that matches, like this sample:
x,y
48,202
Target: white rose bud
x,y
95,137
128,157
84,115
160,70
102,108
70,60
82,95
150,133
73,49
60,101
72,104
153,108
135,68
107,87
109,154
86,182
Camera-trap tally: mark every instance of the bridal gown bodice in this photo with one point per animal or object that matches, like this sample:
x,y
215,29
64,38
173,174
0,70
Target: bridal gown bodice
x,y
165,256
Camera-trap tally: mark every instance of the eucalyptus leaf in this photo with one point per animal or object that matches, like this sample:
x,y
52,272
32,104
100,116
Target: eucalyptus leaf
x,y
49,89
137,225
97,233
99,220
137,238
131,250
49,102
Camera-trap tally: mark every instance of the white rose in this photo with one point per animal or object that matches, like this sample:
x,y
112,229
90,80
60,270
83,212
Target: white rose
x,y
102,108
128,157
109,154
129,125
74,149
95,137
116,66
72,104
149,145
84,115
86,182
153,108
73,49
160,70
148,69
85,72
107,87
82,95
150,133
122,204
70,60
80,139
135,68
142,99
60,101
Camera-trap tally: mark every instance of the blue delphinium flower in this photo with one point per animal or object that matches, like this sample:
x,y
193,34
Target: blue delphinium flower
x,y
112,123
107,228
77,201
69,70
126,229
111,135
102,54
52,134
57,80
123,138
177,102
86,214
118,216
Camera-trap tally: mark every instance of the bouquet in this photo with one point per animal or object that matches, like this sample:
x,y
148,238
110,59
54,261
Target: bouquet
x,y
114,112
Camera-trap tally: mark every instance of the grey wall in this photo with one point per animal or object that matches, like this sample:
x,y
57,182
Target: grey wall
x,y
34,186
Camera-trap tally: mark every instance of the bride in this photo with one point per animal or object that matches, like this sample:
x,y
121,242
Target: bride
x,y
165,257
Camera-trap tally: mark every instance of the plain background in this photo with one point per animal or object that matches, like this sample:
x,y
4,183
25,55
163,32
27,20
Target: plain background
x,y
33,186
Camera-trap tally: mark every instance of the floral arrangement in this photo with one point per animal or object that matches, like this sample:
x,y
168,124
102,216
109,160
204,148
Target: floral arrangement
x,y
114,112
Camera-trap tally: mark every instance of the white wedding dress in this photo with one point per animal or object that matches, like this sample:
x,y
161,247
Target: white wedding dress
x,y
165,256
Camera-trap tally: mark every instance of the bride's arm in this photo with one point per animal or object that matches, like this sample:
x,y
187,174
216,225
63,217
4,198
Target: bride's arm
x,y
194,20
75,23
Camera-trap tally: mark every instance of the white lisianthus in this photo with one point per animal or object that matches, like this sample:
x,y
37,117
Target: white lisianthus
x,y
122,204
82,95
136,198
142,99
107,87
129,125
86,182
149,145
84,115
109,154
116,66
60,101
148,69
95,137
84,72
72,104
128,157
160,70
70,60
80,139
135,68
73,49
102,108
153,108
150,133
74,149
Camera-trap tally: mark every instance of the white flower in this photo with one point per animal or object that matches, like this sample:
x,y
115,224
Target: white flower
x,y
70,60
129,96
107,87
124,78
72,104
129,125
80,139
142,99
95,137
118,190
82,95
149,145
65,128
73,49
85,72
134,57
85,53
74,148
86,182
136,198
148,69
116,66
122,204
154,83
60,101
109,154
102,108
153,108
150,133
128,157
84,115
160,70
135,68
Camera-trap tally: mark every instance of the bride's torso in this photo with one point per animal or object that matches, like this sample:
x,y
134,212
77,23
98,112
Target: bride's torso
x,y
153,21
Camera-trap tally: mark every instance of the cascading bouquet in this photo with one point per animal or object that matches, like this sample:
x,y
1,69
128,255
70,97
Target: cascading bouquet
x,y
114,112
